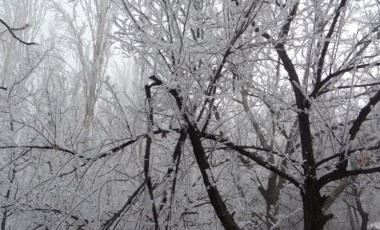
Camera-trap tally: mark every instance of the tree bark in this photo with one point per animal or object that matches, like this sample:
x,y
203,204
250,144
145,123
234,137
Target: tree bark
x,y
314,218
218,204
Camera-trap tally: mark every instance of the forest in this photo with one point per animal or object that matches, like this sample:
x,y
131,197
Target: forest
x,y
190,114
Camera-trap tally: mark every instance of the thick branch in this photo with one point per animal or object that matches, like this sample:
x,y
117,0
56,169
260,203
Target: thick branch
x,y
340,174
302,104
286,27
363,115
343,161
217,202
327,42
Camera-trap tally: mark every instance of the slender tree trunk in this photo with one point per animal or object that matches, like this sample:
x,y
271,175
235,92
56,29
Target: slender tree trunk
x,y
363,214
272,196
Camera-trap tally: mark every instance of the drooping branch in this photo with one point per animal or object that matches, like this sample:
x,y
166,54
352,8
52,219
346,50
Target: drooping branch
x,y
10,29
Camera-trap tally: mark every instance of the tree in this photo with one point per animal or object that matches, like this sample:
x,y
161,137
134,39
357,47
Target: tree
x,y
211,56
89,41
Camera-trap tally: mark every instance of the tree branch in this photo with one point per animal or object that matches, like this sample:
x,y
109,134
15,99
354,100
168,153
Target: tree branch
x,y
286,27
343,161
348,87
108,224
340,174
332,157
147,154
316,93
327,42
14,35
217,202
54,147
258,159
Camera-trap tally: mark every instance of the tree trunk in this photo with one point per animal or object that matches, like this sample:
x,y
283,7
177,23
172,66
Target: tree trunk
x,y
314,218
363,214
272,196
216,200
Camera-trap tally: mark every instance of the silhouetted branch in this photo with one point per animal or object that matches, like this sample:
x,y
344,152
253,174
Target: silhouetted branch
x,y
53,147
340,174
316,92
10,29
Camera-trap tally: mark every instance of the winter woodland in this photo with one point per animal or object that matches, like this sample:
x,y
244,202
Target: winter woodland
x,y
189,114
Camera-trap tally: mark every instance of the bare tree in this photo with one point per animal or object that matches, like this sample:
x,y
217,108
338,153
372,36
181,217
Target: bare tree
x,y
89,25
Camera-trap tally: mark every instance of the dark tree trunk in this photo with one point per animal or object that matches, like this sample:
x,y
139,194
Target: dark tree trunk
x,y
314,218
216,200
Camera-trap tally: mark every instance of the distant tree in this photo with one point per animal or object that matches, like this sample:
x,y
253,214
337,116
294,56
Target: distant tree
x,y
88,24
